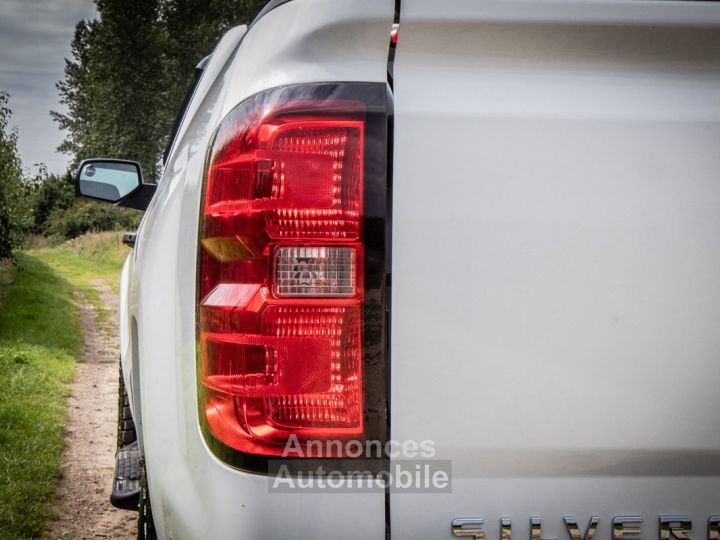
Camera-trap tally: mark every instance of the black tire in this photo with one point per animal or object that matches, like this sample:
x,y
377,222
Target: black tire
x,y
146,525
126,427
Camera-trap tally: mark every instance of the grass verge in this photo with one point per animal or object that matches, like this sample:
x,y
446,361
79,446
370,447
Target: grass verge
x,y
87,259
40,338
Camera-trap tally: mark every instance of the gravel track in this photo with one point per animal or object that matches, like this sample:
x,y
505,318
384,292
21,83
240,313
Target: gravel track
x,y
83,506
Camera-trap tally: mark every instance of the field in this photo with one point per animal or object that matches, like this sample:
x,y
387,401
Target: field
x,y
40,342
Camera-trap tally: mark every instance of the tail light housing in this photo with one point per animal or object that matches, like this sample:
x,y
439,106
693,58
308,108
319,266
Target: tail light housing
x,y
291,274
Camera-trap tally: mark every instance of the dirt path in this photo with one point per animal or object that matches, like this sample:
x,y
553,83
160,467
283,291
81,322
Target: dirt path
x,y
88,461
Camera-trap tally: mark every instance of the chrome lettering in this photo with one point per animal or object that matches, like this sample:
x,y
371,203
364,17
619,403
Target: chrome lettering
x,y
714,528
621,530
468,528
574,530
677,526
535,528
506,528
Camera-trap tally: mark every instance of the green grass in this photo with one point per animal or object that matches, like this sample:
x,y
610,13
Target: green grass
x,y
86,259
40,341
40,338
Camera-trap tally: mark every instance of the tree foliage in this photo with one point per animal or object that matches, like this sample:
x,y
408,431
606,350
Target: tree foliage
x,y
15,216
50,193
111,86
130,71
59,214
88,216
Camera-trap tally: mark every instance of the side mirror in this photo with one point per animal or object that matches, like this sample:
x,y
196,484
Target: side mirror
x,y
114,181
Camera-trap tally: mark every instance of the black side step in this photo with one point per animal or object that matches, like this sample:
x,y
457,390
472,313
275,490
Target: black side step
x,y
126,487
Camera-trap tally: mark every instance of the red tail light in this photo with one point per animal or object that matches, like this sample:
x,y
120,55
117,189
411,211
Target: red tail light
x,y
281,294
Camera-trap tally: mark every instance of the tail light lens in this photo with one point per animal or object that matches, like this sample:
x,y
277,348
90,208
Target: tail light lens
x,y
284,307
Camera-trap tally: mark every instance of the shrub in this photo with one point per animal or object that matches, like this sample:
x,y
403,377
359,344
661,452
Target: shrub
x,y
50,192
15,216
87,216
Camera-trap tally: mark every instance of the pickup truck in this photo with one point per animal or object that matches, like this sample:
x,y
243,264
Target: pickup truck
x,y
481,236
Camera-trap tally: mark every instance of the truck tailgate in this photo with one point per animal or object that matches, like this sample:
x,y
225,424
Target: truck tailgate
x,y
556,262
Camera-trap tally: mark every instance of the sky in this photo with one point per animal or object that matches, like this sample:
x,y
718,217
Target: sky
x,y
35,39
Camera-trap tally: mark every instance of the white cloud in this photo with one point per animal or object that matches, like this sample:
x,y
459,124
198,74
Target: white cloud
x,y
35,39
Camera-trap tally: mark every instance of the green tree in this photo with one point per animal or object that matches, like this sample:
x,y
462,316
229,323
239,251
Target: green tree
x,y
130,71
50,192
76,93
190,30
15,216
111,86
